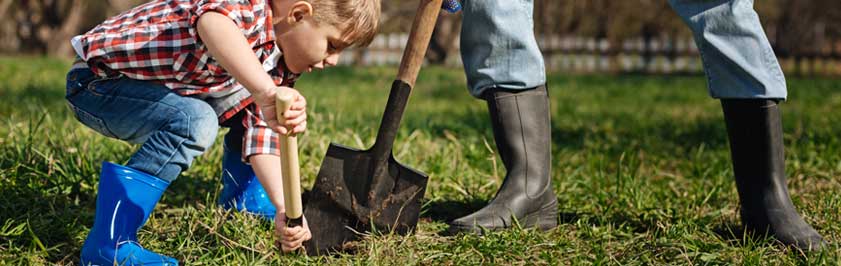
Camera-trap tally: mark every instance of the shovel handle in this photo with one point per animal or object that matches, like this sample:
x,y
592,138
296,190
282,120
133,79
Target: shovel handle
x,y
410,64
289,166
419,37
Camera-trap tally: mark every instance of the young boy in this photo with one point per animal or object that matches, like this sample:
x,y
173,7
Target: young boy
x,y
166,74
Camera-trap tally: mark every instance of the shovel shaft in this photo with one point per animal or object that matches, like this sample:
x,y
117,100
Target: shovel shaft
x,y
416,46
410,64
361,191
289,162
397,100
419,37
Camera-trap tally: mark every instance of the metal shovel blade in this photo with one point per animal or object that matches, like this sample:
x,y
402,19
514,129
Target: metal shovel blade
x,y
334,208
369,191
360,191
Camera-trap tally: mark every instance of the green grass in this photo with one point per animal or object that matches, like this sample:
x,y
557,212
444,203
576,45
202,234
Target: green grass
x,y
640,167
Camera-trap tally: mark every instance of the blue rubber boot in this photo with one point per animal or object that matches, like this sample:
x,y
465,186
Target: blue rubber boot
x,y
241,189
125,199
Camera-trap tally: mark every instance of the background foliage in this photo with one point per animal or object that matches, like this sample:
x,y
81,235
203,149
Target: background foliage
x,y
796,27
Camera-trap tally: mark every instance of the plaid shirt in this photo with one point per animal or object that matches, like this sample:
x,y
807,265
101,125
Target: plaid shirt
x,y
158,42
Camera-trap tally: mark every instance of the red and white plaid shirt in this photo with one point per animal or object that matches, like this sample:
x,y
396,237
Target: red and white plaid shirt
x,y
158,42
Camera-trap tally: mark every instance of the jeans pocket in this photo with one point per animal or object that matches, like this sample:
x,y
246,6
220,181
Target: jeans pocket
x,y
73,86
91,121
103,86
78,80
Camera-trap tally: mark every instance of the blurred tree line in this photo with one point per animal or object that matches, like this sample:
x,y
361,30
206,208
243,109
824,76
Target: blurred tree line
x,y
46,26
797,28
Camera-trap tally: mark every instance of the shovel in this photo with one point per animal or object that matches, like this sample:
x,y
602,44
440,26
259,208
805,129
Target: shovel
x,y
289,167
359,191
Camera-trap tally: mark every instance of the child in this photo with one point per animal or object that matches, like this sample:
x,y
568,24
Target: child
x,y
166,74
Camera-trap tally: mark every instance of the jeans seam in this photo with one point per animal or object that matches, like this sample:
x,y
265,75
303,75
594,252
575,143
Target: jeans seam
x,y
91,85
75,84
78,111
177,147
139,100
183,133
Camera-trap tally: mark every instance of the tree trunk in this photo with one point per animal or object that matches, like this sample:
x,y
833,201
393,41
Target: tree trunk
x,y
58,43
4,7
117,6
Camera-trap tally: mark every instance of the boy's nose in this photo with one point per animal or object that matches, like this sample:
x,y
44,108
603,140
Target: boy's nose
x,y
332,60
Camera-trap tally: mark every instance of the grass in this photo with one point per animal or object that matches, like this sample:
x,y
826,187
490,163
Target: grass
x,y
640,167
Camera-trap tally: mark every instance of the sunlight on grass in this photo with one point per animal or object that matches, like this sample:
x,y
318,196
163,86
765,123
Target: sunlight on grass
x,y
640,166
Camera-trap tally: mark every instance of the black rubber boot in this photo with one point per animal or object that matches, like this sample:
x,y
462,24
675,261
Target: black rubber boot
x,y
756,146
521,129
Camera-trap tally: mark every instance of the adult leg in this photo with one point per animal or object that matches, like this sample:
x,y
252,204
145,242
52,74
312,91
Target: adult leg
x,y
743,72
172,129
504,67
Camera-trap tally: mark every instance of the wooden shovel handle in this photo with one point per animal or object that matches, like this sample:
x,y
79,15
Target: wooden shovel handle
x,y
419,37
410,65
289,163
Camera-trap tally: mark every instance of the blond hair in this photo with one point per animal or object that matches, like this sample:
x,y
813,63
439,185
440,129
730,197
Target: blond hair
x,y
357,19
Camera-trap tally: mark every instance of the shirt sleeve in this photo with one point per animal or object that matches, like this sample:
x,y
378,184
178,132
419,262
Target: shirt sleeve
x,y
241,12
258,137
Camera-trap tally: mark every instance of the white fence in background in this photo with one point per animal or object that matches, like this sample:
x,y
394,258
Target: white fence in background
x,y
585,55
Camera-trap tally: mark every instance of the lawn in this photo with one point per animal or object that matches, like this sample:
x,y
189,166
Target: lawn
x,y
641,169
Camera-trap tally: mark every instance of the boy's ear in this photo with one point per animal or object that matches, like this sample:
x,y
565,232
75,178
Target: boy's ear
x,y
299,11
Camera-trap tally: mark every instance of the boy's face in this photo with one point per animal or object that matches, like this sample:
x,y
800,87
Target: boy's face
x,y
305,45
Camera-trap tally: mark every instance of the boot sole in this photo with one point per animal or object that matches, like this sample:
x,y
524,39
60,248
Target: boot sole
x,y
544,219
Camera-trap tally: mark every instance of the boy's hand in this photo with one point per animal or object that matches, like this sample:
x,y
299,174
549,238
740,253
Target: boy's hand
x,y
227,44
296,117
291,238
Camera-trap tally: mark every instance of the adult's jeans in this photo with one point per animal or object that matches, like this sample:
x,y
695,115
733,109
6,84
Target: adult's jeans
x,y
172,129
499,49
736,54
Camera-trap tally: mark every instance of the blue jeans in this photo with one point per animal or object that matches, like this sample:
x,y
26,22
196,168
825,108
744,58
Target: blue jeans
x,y
737,57
497,46
172,129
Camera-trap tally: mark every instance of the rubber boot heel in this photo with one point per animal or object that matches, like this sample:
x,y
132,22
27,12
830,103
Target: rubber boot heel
x,y
545,219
